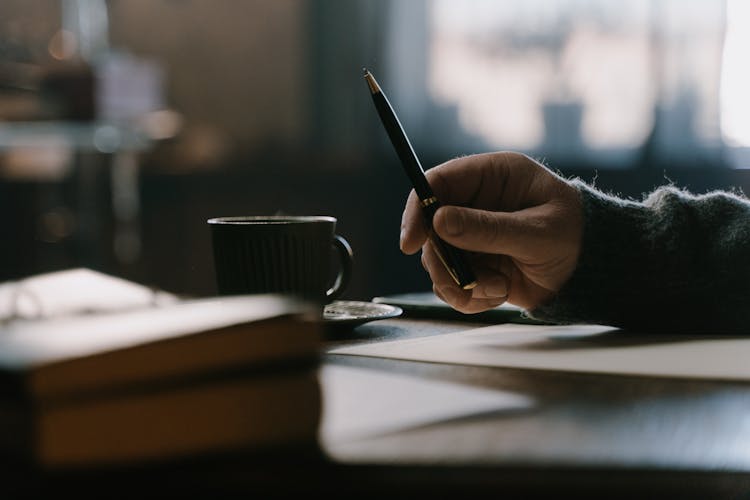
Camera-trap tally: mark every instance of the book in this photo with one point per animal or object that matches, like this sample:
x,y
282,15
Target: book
x,y
237,415
155,380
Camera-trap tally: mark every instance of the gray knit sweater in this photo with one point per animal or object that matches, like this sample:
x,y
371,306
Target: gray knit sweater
x,y
675,262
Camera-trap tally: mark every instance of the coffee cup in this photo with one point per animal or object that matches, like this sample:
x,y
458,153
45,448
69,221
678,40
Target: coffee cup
x,y
283,254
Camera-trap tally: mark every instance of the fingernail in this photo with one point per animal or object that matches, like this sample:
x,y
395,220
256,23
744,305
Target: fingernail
x,y
495,289
401,238
454,224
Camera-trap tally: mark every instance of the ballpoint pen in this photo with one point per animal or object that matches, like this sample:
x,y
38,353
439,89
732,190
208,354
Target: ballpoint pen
x,y
452,258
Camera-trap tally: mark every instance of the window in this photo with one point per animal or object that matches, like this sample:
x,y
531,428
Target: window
x,y
735,82
596,81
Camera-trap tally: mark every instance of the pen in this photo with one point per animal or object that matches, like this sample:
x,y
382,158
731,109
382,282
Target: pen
x,y
452,258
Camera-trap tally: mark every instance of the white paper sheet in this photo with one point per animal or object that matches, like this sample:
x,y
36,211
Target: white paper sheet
x,y
586,348
360,402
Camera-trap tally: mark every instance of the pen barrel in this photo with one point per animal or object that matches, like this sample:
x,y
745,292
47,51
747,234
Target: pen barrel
x,y
454,259
401,144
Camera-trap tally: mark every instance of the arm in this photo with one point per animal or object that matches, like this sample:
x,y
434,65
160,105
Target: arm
x,y
673,262
568,253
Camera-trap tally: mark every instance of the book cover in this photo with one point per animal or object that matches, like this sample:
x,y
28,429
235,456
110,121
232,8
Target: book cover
x,y
152,379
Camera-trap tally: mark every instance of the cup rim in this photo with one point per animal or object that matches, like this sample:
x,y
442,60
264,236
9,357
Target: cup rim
x,y
270,219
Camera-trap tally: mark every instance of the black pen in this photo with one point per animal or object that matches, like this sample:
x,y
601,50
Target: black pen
x,y
452,258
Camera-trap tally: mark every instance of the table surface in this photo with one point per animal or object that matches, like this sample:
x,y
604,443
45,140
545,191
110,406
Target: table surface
x,y
659,431
587,436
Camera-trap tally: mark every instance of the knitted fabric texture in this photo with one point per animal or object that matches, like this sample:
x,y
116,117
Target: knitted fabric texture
x,y
674,262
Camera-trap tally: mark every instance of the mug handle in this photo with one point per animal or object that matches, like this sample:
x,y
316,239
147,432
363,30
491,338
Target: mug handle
x,y
346,259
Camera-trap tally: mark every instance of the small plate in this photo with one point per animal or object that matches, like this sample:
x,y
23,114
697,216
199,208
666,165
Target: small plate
x,y
351,312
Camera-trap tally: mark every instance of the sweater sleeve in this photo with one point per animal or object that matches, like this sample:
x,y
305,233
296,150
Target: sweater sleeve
x,y
674,262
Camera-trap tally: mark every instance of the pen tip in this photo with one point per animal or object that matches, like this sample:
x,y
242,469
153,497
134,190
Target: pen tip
x,y
364,71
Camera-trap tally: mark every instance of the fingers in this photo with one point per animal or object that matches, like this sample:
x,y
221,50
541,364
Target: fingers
x,y
507,233
455,181
413,233
503,208
495,181
462,179
491,290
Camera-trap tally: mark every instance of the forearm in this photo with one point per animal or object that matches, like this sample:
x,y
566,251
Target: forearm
x,y
675,262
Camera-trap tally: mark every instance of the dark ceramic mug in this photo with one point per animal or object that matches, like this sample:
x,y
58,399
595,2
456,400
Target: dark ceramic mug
x,y
280,254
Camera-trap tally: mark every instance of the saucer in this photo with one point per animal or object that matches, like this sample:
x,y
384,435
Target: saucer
x,y
352,313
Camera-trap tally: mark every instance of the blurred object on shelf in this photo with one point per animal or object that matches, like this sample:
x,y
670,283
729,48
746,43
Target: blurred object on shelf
x,y
58,90
118,87
87,22
19,90
76,116
47,158
57,64
127,87
67,91
161,124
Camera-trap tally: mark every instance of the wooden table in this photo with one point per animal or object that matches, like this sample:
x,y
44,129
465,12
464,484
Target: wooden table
x,y
593,434
586,436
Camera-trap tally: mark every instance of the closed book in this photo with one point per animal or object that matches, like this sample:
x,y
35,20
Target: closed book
x,y
179,378
252,414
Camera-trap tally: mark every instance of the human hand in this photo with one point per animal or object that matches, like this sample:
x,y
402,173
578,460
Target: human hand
x,y
520,224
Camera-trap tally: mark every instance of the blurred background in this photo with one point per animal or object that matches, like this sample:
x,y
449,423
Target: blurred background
x,y
125,124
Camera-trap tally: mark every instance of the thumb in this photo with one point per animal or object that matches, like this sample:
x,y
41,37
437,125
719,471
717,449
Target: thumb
x,y
507,233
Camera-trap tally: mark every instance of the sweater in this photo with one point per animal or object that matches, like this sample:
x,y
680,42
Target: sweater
x,y
675,262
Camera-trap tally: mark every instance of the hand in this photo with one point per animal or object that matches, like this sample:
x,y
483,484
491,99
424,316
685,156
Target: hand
x,y
520,224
